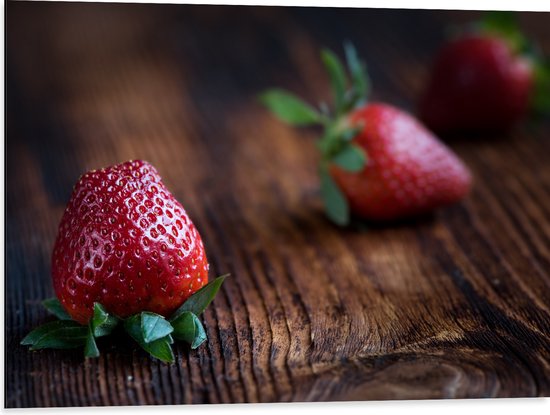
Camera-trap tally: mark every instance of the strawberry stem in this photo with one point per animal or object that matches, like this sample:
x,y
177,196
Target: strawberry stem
x,y
350,85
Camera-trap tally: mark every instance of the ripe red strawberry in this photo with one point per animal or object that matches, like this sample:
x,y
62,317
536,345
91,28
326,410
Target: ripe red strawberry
x,y
126,249
410,172
486,80
377,161
124,241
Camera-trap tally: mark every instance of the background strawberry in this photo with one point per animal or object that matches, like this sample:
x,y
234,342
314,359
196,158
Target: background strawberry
x,y
378,162
409,171
126,249
488,78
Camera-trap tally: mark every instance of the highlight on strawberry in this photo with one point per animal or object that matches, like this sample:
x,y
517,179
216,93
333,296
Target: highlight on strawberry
x,y
488,77
377,161
126,255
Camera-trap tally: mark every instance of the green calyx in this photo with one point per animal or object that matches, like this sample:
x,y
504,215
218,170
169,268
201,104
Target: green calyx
x,y
350,86
505,25
153,332
540,101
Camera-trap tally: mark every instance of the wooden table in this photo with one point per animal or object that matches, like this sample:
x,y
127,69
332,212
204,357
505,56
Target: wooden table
x,y
452,306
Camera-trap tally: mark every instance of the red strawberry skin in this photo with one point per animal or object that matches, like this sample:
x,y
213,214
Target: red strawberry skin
x,y
124,241
477,83
409,171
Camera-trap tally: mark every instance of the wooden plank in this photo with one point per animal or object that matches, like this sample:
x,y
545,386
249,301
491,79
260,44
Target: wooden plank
x,y
455,305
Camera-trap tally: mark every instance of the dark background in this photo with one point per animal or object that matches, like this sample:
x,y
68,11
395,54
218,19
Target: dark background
x,y
455,305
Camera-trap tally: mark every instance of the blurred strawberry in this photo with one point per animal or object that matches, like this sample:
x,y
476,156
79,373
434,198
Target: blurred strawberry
x,y
487,79
378,162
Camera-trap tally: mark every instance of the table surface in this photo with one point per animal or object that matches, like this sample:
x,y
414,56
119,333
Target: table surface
x,y
450,306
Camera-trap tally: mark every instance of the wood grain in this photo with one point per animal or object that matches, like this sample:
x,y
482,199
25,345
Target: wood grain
x,y
450,306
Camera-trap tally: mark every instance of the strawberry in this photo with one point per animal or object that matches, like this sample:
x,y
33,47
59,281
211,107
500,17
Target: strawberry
x,y
377,162
487,79
124,241
126,250
410,171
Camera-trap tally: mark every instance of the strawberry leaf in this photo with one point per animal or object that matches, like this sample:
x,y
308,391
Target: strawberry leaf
x,y
198,302
328,142
60,334
102,322
200,334
351,158
54,306
360,79
504,24
184,326
337,75
159,348
188,327
350,133
541,95
154,327
335,138
336,205
90,348
41,331
289,108
500,21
